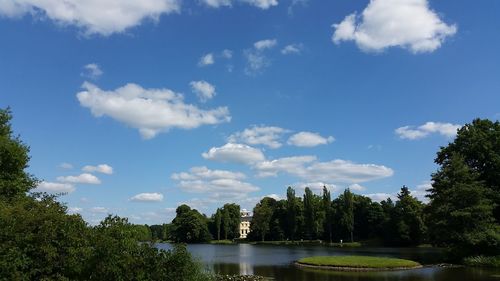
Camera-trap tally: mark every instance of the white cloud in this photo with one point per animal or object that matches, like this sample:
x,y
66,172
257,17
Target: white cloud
x,y
217,3
317,186
445,129
204,90
101,168
55,187
381,196
256,60
196,173
99,210
84,178
219,183
66,166
227,54
92,16
357,187
296,3
292,165
335,171
92,70
274,196
74,210
308,139
235,153
409,24
207,59
259,135
292,49
147,197
263,4
150,110
265,44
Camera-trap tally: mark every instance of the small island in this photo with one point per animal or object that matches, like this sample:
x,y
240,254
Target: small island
x,y
357,263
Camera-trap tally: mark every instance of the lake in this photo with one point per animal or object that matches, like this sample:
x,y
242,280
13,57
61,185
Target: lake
x,y
276,262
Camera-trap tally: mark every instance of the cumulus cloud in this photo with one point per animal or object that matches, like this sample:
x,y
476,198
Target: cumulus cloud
x,y
409,24
234,153
357,187
204,90
217,3
256,59
74,210
207,59
55,187
151,111
92,16
101,168
412,133
263,4
265,44
292,49
196,173
84,178
317,186
92,70
219,183
308,139
147,197
335,171
259,135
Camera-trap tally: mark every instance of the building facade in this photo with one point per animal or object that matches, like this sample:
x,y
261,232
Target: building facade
x,y
245,221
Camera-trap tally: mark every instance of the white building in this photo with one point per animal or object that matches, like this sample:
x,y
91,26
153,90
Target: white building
x,y
246,218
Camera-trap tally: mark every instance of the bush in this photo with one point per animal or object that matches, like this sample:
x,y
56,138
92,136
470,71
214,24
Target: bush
x,y
483,261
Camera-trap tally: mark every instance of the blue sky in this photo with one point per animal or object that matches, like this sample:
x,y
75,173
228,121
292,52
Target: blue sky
x,y
134,107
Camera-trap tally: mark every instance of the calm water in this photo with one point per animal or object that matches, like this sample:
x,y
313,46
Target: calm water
x,y
276,262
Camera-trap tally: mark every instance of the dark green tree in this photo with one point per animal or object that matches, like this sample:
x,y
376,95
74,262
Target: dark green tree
x,y
408,219
347,219
14,158
291,209
328,211
189,226
218,222
461,210
262,215
478,143
309,214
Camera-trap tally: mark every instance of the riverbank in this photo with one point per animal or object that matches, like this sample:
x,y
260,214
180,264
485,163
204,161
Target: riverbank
x,y
307,243
357,263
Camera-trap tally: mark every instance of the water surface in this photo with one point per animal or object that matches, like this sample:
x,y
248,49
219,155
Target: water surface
x,y
277,262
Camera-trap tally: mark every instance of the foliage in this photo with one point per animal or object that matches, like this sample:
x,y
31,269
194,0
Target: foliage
x,y
14,158
483,261
262,214
358,262
189,226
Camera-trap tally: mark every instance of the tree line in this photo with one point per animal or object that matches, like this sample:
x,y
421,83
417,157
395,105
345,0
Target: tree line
x,y
462,215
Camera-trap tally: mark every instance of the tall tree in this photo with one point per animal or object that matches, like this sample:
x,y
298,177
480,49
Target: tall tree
x,y
218,222
291,208
189,226
14,158
461,210
262,215
348,213
478,143
328,210
309,213
408,219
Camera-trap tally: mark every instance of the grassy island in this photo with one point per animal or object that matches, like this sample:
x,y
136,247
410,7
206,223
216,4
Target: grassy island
x,y
357,263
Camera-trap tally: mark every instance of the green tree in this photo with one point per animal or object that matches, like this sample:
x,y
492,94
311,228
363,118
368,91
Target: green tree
x,y
218,222
262,215
328,211
14,158
189,226
408,219
309,214
478,144
291,209
348,213
461,210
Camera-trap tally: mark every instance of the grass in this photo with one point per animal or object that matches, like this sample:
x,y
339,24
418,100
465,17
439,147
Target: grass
x,y
483,261
223,242
358,262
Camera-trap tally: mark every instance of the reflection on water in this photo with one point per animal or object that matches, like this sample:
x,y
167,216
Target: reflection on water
x,y
276,262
